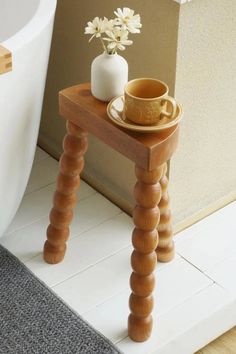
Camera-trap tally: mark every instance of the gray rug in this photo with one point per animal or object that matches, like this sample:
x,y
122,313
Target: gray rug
x,y
33,320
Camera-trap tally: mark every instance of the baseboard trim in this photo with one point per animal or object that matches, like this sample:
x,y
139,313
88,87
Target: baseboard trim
x,y
52,149
208,210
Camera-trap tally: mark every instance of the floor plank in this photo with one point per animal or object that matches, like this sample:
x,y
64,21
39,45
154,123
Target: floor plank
x,y
175,285
40,154
83,251
98,283
187,326
195,293
36,205
211,240
44,172
222,273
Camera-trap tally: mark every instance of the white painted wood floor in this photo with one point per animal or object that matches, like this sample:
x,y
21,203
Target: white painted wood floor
x,y
195,294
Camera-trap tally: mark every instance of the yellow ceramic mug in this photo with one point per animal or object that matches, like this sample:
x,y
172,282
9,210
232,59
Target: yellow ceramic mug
x,y
146,101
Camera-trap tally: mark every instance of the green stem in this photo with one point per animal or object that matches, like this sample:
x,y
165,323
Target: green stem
x,y
103,45
114,51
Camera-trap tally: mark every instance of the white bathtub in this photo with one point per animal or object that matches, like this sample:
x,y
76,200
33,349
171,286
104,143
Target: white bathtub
x,y
26,30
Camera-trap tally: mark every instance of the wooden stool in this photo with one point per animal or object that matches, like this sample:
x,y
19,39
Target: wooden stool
x,y
152,235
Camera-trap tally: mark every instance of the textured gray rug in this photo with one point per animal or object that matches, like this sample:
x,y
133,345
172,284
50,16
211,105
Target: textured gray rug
x,y
33,320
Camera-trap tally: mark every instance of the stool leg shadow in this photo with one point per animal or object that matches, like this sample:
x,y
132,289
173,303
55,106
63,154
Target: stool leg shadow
x,y
165,250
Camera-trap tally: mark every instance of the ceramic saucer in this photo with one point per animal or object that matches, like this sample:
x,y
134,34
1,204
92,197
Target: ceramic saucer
x,y
116,114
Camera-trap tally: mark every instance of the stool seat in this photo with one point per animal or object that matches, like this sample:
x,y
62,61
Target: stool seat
x,y
146,150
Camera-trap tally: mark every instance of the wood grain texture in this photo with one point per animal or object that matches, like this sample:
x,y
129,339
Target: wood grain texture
x,y
146,215
146,150
64,199
225,344
5,60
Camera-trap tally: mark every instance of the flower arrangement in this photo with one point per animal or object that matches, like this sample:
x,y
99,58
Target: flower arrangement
x,y
114,33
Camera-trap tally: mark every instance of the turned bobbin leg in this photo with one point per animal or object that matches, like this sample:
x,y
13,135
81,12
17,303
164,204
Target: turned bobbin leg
x,y
146,216
165,250
71,164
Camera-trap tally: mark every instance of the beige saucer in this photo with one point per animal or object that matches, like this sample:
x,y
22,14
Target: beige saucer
x,y
116,114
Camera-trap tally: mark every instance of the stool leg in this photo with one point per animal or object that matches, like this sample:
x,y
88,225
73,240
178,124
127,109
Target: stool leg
x,y
146,215
71,164
165,250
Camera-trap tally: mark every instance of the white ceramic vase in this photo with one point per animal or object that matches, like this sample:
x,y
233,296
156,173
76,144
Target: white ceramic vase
x,y
109,74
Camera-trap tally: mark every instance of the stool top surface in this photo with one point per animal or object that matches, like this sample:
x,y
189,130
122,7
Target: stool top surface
x,y
147,150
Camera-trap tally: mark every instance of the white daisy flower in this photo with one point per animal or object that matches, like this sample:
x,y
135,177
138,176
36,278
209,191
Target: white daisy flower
x,y
127,20
96,27
108,25
118,39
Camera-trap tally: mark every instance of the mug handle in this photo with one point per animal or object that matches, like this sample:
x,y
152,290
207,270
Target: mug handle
x,y
173,106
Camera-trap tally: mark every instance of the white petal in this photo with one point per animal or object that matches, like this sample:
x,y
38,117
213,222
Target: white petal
x,y
136,24
111,45
96,21
109,26
110,34
136,17
134,30
89,30
131,13
126,11
118,12
127,42
120,46
124,34
116,31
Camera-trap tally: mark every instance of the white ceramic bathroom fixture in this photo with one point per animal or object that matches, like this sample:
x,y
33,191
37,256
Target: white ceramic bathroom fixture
x,y
25,30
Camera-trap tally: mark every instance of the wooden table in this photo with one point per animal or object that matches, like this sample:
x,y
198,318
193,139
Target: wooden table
x,y
152,235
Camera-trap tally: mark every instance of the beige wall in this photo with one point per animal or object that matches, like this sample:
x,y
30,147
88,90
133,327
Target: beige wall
x,y
201,37
203,172
152,54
